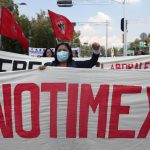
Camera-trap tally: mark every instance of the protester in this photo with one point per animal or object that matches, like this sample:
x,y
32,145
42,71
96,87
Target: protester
x,y
63,57
75,53
48,53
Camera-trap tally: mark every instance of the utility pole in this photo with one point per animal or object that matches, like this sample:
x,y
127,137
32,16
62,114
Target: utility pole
x,y
125,28
106,38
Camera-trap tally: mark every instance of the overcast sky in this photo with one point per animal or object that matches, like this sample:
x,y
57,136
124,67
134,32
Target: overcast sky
x,y
137,14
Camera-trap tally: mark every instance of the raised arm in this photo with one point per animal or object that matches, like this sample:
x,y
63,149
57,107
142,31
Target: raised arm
x,y
91,62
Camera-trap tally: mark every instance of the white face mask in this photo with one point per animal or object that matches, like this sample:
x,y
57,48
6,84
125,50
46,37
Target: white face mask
x,y
62,56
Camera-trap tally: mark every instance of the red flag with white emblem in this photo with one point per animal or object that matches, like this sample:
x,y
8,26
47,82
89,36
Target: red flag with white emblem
x,y
62,26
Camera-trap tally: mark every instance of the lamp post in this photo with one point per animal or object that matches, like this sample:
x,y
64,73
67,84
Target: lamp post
x,y
3,4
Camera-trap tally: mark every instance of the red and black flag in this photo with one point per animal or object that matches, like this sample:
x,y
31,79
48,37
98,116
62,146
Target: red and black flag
x,y
63,28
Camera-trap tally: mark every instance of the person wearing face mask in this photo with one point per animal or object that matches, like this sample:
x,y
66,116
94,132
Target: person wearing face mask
x,y
63,57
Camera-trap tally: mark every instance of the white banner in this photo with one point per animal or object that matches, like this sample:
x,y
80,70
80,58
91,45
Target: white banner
x,y
13,62
126,62
75,109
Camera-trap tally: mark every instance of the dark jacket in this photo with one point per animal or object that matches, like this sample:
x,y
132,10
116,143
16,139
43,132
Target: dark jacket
x,y
79,64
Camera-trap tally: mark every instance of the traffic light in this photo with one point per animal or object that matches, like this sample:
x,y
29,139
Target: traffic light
x,y
122,24
64,3
145,43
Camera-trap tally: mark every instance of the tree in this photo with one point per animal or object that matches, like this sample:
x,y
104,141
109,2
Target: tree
x,y
135,45
85,50
6,3
41,32
76,41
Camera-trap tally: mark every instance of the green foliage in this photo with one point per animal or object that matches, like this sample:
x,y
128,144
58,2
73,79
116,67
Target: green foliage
x,y
41,32
85,51
6,2
136,45
11,45
76,41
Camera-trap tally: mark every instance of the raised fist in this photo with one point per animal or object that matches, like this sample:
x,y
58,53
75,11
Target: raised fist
x,y
96,46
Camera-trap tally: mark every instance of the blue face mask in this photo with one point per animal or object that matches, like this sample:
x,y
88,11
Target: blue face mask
x,y
62,56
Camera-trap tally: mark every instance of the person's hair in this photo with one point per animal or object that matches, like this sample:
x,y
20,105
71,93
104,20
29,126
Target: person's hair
x,y
45,51
70,52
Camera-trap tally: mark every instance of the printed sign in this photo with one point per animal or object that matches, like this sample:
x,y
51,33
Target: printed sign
x,y
67,108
